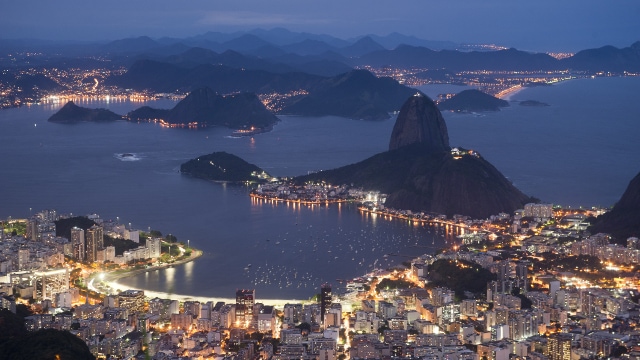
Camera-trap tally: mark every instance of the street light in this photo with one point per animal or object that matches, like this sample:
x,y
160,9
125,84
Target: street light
x,y
188,243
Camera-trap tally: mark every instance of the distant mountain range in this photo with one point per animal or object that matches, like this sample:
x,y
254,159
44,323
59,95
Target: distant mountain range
x,y
282,47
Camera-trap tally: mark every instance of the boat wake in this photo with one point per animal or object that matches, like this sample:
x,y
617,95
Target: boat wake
x,y
127,156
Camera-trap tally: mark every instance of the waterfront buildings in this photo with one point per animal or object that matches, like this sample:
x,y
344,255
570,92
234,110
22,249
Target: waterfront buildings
x,y
78,243
325,300
245,300
555,313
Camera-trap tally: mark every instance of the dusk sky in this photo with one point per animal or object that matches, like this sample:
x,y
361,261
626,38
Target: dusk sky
x,y
540,25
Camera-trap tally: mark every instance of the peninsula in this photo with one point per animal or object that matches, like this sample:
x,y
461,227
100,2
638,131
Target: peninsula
x,y
421,172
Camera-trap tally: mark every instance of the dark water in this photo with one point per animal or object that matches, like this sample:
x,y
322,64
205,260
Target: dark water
x,y
579,151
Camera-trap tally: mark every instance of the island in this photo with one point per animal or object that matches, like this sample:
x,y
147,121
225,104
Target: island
x,y
473,100
225,167
71,113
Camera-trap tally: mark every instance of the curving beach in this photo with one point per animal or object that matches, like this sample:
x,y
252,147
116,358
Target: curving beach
x,y
111,279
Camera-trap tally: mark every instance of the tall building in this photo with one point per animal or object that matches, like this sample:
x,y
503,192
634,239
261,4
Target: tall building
x,y
23,258
538,210
522,271
244,307
94,242
504,271
154,246
77,243
325,300
33,232
559,347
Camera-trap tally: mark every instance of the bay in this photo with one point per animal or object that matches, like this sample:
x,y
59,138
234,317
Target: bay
x,y
580,151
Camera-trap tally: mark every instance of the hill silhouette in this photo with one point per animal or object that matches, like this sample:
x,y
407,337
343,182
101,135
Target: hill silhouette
x,y
473,100
357,94
420,173
204,107
221,166
71,113
623,221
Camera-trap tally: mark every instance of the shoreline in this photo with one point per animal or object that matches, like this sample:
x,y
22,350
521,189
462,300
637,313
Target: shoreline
x,y
111,280
507,93
111,276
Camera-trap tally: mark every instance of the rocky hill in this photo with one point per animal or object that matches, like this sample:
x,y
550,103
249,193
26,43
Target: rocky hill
x,y
206,108
623,221
421,173
71,113
357,94
420,121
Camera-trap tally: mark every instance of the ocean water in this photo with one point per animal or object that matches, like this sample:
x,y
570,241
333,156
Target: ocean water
x,y
580,151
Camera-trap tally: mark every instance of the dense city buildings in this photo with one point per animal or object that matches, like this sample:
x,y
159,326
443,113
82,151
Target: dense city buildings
x,y
554,292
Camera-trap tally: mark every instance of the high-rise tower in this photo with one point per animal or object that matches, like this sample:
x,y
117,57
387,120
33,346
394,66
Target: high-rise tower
x,y
244,307
325,300
95,242
77,243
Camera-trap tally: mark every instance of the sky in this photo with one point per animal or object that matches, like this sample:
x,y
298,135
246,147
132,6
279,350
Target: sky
x,y
536,25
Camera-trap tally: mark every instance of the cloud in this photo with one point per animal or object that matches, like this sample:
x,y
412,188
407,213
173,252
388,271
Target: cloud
x,y
251,18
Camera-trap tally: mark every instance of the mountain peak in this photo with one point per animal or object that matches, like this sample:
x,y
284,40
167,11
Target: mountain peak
x,y
420,121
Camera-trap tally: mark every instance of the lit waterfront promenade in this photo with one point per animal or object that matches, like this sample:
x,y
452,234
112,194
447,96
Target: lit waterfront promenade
x,y
300,201
111,280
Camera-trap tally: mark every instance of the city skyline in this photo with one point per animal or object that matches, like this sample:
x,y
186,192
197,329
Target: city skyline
x,y
547,26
